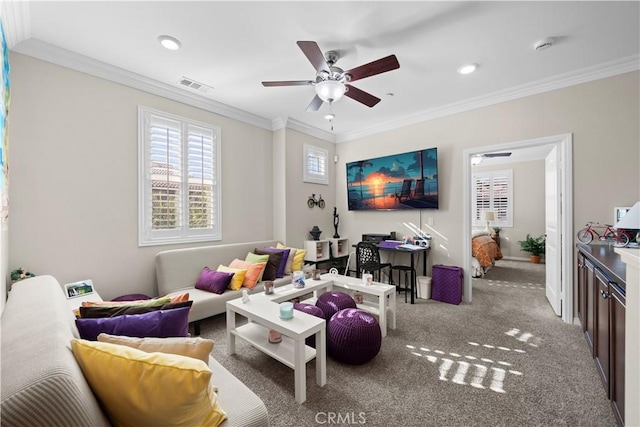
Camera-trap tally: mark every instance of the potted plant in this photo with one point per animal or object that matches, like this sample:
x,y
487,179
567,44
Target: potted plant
x,y
535,246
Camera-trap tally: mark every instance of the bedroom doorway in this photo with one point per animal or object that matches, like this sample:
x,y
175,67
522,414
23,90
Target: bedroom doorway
x,y
558,218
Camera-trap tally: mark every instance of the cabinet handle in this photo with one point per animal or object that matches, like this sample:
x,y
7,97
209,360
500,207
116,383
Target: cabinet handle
x,y
604,294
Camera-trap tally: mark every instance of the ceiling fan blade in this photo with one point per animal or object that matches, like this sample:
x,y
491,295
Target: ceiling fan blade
x,y
315,104
288,83
372,68
314,55
505,154
361,96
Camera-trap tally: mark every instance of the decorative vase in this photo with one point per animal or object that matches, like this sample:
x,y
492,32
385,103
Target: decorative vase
x,y
315,232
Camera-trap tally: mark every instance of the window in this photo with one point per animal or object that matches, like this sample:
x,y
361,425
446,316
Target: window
x,y
315,165
493,192
178,179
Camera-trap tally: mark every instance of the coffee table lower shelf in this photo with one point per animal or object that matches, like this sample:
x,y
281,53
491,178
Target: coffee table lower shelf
x,y
283,352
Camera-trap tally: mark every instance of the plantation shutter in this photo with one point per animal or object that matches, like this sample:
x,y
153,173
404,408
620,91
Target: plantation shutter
x,y
493,192
166,173
179,179
201,164
315,165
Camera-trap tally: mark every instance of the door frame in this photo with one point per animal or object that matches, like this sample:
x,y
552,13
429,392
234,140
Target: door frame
x,y
564,143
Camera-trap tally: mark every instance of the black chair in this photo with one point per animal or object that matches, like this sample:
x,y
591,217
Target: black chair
x,y
407,283
368,260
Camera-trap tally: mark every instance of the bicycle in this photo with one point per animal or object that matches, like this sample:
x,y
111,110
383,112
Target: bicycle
x,y
315,202
619,238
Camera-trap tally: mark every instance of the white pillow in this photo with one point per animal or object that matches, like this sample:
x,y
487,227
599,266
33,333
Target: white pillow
x,y
476,233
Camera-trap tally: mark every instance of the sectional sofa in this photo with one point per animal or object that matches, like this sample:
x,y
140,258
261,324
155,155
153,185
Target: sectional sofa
x,y
177,271
43,385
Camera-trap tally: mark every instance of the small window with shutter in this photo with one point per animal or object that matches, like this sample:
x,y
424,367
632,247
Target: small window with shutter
x,y
492,191
179,179
315,164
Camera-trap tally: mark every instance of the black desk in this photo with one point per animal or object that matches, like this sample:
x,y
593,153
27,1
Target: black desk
x,y
413,254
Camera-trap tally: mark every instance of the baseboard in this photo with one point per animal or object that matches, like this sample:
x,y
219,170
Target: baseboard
x,y
519,258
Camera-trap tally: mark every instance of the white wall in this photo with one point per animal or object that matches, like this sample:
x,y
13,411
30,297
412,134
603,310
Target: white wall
x,y
528,205
74,178
603,116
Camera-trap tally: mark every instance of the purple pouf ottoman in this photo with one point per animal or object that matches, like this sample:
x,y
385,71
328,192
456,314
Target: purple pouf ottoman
x,y
332,302
131,297
353,336
314,311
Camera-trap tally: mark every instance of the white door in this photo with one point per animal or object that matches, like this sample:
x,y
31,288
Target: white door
x,y
552,229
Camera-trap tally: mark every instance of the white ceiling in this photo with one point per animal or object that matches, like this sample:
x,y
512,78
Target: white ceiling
x,y
234,46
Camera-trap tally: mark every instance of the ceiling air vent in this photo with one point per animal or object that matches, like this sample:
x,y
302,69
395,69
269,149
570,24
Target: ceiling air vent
x,y
190,83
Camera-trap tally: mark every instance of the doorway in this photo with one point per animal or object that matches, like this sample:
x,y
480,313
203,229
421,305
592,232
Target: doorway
x,y
561,222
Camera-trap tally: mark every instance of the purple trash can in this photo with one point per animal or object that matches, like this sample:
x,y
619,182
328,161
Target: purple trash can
x,y
446,284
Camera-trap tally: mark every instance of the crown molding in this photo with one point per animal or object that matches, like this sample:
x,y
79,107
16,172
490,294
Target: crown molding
x,y
65,58
584,75
310,130
16,21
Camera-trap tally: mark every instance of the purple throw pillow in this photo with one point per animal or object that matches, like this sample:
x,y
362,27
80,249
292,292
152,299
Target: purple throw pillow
x,y
213,281
283,261
159,324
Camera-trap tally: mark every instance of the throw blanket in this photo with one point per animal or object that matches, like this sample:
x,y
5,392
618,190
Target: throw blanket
x,y
485,250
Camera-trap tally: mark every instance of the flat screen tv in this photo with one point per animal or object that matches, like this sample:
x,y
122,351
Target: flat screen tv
x,y
400,181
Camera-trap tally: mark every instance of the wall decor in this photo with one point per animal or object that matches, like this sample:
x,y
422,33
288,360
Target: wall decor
x,y
399,181
312,201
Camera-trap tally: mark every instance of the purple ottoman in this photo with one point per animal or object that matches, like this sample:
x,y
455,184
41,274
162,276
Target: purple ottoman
x,y
353,336
131,297
332,302
312,310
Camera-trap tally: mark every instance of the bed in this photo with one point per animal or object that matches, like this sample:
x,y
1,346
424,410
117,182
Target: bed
x,y
485,252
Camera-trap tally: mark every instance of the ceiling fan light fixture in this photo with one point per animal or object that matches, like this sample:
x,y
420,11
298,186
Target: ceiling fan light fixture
x,y
330,90
170,43
468,69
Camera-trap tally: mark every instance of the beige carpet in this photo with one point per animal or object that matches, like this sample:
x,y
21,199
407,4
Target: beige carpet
x,y
504,360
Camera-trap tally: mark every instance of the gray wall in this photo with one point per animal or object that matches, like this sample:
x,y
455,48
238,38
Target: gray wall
x,y
73,183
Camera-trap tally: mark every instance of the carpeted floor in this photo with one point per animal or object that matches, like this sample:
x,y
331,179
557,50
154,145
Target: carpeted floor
x,y
503,360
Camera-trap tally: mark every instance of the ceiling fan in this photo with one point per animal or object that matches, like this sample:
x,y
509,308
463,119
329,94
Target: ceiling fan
x,y
331,82
477,158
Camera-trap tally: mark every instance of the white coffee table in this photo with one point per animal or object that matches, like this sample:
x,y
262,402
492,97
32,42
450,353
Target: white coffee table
x,y
263,314
386,295
288,292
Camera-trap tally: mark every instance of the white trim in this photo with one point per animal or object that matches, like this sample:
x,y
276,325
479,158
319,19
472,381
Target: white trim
x,y
584,75
66,58
296,125
564,143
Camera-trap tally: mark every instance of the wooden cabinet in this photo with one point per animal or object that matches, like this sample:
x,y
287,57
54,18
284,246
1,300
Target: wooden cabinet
x,y
617,308
601,307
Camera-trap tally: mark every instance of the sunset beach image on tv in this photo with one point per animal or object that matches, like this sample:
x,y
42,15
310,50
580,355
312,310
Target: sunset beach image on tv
x,y
400,181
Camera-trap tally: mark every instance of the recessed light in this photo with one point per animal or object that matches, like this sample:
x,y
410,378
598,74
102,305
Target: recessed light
x,y
169,42
468,69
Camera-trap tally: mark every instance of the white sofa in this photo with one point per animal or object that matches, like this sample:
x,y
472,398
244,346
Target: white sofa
x,y
42,384
177,271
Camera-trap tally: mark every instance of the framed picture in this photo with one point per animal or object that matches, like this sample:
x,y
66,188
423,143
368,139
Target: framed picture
x,y
79,289
619,212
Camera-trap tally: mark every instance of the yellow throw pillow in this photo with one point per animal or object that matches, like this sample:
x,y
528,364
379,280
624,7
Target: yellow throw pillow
x,y
238,276
254,271
148,389
298,258
196,347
